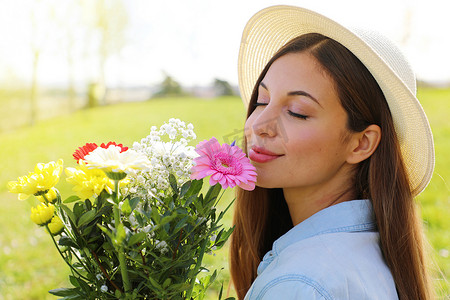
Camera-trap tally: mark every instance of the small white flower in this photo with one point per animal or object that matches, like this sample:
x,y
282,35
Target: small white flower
x,y
213,238
147,228
162,247
140,179
103,288
99,276
171,157
133,220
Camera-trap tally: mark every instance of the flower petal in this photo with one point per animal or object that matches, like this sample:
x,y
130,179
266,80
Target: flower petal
x,y
247,186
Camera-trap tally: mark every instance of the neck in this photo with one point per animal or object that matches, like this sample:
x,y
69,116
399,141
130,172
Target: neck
x,y
304,202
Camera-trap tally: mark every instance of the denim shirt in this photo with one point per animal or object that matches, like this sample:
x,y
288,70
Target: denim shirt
x,y
334,254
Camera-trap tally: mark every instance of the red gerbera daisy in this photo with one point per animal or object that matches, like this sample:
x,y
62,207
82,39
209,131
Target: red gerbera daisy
x,y
81,152
122,147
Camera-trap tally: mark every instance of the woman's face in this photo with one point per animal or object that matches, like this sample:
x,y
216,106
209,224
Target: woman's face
x,y
300,124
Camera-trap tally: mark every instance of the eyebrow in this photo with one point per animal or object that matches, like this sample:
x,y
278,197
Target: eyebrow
x,y
295,93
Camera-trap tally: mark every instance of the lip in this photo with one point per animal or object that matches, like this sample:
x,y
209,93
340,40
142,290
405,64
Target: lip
x,y
261,155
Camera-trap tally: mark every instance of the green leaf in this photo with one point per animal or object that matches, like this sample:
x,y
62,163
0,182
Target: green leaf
x,y
86,217
190,200
167,282
226,209
88,204
126,208
198,204
181,224
167,219
213,192
66,241
78,209
134,202
74,297
137,238
106,231
173,183
83,285
155,283
184,188
220,241
71,199
194,189
69,213
74,281
63,292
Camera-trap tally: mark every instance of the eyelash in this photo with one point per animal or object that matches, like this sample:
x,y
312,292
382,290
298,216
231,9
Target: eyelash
x,y
303,117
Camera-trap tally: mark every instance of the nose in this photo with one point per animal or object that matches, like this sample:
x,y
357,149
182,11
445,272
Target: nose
x,y
267,123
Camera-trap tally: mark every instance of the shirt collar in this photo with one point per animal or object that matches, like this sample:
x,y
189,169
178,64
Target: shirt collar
x,y
348,216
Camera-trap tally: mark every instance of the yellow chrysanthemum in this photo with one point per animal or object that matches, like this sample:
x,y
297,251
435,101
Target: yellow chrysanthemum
x,y
44,177
89,182
55,226
49,197
42,214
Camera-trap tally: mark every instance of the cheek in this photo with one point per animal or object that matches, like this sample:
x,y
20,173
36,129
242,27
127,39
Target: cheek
x,y
313,143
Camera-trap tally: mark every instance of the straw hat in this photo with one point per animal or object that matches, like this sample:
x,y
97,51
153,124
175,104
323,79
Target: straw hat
x,y
269,29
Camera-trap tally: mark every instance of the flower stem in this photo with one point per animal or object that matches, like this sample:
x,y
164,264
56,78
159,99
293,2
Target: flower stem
x,y
218,198
197,267
56,245
104,271
122,262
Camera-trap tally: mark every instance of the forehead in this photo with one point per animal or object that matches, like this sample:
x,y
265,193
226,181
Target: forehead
x,y
299,71
295,67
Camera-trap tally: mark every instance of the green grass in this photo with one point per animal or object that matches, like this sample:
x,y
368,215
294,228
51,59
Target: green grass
x,y
29,264
435,200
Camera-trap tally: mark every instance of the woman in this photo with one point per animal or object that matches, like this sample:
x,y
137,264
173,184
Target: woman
x,y
341,146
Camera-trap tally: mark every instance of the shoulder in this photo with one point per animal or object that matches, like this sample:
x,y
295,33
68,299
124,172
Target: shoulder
x,y
328,266
290,286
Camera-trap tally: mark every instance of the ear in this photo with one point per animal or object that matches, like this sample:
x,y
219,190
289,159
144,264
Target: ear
x,y
363,144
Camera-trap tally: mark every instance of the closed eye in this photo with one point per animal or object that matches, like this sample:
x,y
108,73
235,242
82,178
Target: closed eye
x,y
300,116
297,115
259,104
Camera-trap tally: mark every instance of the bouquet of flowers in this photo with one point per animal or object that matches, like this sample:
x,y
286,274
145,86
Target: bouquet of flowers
x,y
139,224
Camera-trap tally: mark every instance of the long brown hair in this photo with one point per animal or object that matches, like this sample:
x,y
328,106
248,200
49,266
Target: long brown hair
x,y
261,216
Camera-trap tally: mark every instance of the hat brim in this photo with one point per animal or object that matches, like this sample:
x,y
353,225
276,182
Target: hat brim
x,y
271,28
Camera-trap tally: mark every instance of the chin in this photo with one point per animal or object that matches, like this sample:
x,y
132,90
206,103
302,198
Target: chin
x,y
266,185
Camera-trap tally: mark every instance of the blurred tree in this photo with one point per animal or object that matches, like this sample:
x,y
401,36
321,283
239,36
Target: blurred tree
x,y
222,88
69,21
94,94
169,87
39,37
107,20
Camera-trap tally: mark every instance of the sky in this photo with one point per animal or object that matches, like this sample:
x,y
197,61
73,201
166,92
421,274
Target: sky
x,y
196,41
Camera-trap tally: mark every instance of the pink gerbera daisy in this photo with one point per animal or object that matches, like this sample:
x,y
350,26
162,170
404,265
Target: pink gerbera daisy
x,y
226,164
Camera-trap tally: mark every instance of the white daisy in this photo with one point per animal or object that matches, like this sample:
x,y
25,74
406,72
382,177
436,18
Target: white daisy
x,y
115,163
